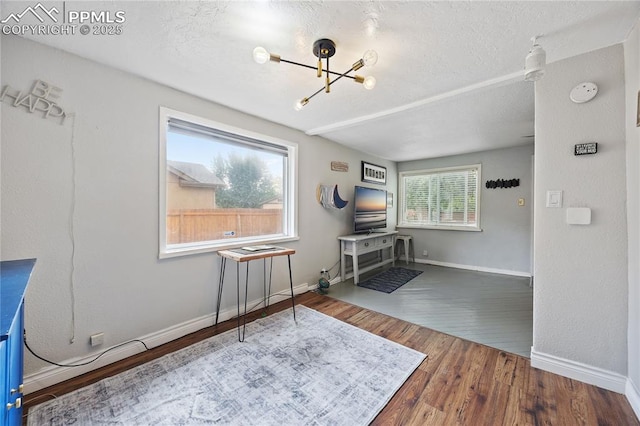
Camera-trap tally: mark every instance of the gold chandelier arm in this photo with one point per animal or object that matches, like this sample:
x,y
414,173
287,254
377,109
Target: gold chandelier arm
x,y
312,67
329,83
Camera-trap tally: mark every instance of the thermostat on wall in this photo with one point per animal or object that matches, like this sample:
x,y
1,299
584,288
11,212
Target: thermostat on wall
x,y
583,92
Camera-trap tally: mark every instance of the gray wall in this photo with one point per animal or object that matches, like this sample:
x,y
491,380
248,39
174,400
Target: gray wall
x,y
580,292
632,77
120,286
505,241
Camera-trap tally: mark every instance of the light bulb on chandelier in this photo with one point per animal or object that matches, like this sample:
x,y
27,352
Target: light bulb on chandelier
x,y
369,82
370,58
260,55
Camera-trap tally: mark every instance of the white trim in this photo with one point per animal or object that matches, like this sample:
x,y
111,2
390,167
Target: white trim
x,y
49,376
576,370
475,268
290,191
633,396
336,280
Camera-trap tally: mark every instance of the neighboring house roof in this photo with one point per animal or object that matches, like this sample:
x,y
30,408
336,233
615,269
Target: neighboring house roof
x,y
194,174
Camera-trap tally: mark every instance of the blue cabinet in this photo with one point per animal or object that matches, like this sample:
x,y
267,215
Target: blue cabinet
x,y
14,277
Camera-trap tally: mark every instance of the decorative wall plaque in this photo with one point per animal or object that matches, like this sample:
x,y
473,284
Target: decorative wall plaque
x,y
339,166
585,148
41,98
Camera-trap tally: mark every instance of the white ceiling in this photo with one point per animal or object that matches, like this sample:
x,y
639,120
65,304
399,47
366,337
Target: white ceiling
x,y
449,74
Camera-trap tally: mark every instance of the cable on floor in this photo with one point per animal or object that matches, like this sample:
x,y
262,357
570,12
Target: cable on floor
x,y
83,363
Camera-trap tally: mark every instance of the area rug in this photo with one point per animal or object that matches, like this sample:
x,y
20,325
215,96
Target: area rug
x,y
390,280
318,371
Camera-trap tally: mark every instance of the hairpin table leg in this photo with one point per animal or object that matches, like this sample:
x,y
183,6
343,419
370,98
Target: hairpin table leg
x,y
220,283
293,302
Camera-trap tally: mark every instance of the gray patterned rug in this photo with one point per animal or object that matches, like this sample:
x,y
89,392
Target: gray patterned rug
x,y
390,280
320,371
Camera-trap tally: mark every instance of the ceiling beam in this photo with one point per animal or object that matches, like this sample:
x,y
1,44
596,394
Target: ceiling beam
x,y
494,82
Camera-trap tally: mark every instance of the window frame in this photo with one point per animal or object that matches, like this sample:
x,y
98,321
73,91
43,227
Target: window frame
x,y
290,210
457,227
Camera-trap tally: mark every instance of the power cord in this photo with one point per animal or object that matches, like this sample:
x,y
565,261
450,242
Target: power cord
x,y
24,337
280,293
331,269
72,238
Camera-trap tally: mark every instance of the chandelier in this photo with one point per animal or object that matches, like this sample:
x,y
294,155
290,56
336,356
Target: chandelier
x,y
324,49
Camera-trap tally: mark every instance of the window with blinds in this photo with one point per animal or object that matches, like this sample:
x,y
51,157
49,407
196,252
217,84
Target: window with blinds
x,y
440,198
222,187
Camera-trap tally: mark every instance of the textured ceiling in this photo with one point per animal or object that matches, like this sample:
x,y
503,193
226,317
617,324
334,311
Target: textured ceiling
x,y
449,74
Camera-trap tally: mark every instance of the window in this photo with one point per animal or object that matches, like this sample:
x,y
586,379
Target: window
x,y
222,187
441,198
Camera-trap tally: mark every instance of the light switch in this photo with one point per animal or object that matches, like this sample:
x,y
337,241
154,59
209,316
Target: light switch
x,y
554,198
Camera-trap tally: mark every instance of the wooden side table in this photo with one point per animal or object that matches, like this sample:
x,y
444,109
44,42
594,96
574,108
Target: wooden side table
x,y
246,255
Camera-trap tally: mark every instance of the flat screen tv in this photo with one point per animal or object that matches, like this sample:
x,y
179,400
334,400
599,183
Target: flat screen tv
x,y
370,209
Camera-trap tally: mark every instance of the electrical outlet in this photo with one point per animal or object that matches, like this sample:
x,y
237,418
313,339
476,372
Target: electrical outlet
x,y
96,339
425,253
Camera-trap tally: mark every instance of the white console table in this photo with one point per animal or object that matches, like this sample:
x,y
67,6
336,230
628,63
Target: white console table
x,y
358,244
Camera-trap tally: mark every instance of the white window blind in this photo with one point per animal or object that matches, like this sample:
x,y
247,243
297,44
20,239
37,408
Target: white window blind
x,y
441,198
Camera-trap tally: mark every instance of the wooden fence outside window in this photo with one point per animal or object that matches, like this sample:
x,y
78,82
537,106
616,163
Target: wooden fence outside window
x,y
188,226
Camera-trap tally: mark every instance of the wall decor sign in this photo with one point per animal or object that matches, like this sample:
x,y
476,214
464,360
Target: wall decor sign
x,y
41,98
339,166
585,148
502,183
373,173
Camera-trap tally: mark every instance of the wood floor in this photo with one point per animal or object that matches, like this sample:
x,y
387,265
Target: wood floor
x,y
459,382
492,309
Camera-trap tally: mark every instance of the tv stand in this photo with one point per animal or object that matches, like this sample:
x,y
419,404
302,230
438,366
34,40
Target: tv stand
x,y
355,245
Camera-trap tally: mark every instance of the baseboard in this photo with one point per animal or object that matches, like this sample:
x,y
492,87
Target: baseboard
x,y
445,264
474,268
576,370
633,396
52,375
335,280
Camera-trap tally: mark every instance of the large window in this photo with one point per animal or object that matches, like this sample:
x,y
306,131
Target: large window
x,y
441,198
222,187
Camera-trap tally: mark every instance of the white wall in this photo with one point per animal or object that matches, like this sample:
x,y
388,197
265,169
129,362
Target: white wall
x,y
580,291
107,186
505,241
632,82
